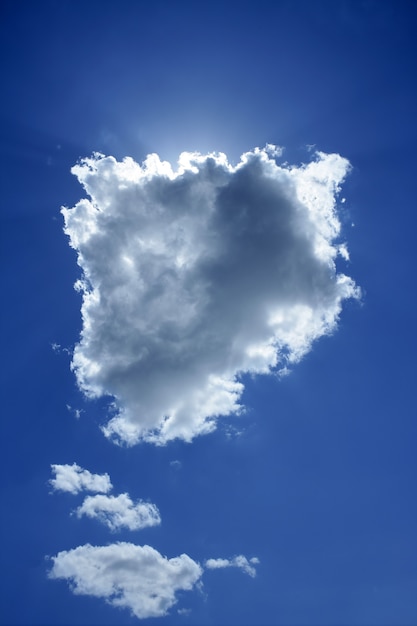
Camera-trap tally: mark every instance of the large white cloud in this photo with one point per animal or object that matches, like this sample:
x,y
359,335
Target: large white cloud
x,y
240,561
193,277
120,511
73,478
135,577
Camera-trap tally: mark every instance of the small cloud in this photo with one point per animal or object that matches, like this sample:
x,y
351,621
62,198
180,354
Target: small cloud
x,y
56,347
283,372
118,512
239,561
128,576
344,252
73,479
76,412
176,464
184,611
232,432
273,150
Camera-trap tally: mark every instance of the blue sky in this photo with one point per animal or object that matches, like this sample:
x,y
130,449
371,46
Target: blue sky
x,y
314,480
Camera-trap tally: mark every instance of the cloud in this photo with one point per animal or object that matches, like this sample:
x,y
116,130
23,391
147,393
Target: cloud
x,y
195,276
239,561
75,412
135,577
73,478
117,512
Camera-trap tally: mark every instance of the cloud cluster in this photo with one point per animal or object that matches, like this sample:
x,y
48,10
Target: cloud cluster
x,y
193,277
239,561
118,512
73,479
126,575
115,512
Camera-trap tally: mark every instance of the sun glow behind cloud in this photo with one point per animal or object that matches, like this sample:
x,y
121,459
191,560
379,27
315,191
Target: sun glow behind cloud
x,y
194,276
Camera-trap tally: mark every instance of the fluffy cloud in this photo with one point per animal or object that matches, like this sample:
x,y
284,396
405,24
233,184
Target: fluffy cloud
x,y
195,276
135,577
239,561
118,512
73,478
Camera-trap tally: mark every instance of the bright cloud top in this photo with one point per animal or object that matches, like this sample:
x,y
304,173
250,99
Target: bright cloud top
x,y
73,479
239,561
193,277
126,575
118,512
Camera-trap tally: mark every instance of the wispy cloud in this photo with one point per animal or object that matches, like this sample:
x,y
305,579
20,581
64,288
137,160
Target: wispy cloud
x,y
239,561
129,576
118,512
73,479
193,277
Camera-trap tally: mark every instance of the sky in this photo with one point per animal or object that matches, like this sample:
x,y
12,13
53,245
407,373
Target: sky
x,y
208,320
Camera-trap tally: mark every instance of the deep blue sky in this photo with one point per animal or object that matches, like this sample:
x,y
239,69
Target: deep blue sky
x,y
321,484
